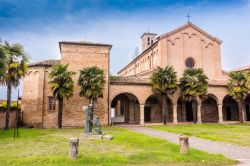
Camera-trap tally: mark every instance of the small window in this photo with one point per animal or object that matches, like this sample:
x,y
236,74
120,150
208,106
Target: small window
x,y
52,103
190,62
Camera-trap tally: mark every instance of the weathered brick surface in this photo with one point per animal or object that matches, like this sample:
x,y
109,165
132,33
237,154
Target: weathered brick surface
x,y
36,89
12,119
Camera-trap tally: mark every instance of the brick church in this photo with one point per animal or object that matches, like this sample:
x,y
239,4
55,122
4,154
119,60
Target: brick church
x,y
130,95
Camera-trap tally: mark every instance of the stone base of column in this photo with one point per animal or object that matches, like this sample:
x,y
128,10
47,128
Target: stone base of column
x,y
220,122
142,125
175,122
199,122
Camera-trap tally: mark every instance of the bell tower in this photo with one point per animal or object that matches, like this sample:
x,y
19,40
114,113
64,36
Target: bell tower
x,y
147,40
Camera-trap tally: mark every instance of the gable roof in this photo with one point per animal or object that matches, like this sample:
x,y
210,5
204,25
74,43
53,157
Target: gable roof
x,y
189,24
242,68
50,62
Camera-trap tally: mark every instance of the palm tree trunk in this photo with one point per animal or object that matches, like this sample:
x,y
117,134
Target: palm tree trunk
x,y
240,110
60,110
163,107
8,106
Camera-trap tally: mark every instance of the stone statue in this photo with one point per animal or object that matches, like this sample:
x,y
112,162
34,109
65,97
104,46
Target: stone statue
x,y
89,119
98,129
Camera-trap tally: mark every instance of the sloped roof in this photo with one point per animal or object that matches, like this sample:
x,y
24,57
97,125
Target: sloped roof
x,y
242,68
189,24
84,43
50,62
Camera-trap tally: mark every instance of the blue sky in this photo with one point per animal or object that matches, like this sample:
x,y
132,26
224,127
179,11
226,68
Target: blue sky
x,y
40,24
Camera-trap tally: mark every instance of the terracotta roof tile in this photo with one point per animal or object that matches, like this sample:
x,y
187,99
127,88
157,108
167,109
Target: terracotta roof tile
x,y
84,43
50,62
242,68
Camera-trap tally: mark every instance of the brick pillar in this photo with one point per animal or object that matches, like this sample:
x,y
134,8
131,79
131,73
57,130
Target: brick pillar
x,y
142,114
199,113
220,113
175,121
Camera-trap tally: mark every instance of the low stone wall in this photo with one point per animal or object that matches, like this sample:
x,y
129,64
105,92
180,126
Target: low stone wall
x,y
12,119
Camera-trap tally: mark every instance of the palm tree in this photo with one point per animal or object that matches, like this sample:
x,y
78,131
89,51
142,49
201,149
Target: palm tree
x,y
164,82
13,66
62,86
193,84
237,88
91,82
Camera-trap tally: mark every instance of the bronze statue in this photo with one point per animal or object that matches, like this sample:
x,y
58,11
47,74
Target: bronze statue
x,y
89,119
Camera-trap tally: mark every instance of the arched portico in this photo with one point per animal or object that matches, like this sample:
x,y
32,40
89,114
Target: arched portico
x,y
126,109
153,111
230,109
209,109
186,110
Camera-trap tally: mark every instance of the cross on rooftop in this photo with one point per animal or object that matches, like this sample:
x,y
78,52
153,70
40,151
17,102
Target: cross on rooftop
x,y
188,16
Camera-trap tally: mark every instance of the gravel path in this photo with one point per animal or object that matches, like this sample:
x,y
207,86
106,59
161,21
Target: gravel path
x,y
231,151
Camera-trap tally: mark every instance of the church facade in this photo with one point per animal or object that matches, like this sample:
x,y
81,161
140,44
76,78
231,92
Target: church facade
x,y
130,95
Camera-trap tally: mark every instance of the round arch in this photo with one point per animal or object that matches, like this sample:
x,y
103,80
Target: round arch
x,y
186,110
126,108
209,109
230,109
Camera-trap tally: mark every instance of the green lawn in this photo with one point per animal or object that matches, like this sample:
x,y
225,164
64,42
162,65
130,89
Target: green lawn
x,y
50,147
235,134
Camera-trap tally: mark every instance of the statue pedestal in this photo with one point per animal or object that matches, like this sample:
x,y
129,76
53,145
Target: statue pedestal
x,y
93,136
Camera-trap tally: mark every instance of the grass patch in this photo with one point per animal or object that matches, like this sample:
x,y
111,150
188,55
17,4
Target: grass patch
x,y
234,134
50,147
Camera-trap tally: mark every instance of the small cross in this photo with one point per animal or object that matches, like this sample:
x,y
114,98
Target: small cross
x,y
188,16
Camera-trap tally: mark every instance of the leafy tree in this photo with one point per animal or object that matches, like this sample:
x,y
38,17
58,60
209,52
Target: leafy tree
x,y
13,65
91,82
62,86
164,82
194,83
237,88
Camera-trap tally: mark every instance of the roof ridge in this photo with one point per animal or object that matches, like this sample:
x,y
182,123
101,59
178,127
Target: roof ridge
x,y
195,27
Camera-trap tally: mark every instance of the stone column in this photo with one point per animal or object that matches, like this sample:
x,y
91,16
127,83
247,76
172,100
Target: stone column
x,y
175,121
244,112
73,148
184,145
142,114
220,113
199,113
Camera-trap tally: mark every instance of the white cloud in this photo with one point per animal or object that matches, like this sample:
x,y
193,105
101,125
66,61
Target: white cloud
x,y
123,31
